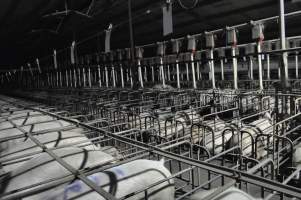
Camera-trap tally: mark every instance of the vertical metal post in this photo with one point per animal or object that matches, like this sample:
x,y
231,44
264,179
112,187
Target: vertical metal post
x,y
162,71
89,77
145,74
221,54
121,76
222,69
168,73
231,39
178,74
211,64
251,68
70,72
99,76
140,73
131,77
103,74
297,65
75,84
153,74
116,76
165,72
113,76
193,70
160,74
234,68
57,78
198,70
51,79
7,77
127,74
268,67
61,81
67,83
210,43
176,50
284,64
79,78
260,66
94,76
107,76
84,77
131,41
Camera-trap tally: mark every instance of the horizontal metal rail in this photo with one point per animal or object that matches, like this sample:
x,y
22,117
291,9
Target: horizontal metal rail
x,y
242,176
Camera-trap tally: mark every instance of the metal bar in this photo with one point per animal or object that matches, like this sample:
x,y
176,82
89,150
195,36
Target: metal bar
x,y
61,80
217,169
259,66
75,172
67,79
79,76
89,77
211,65
237,26
57,78
297,65
234,69
131,78
284,64
162,72
140,73
131,40
297,171
71,83
178,74
222,69
107,76
260,165
121,75
153,74
198,70
251,68
193,71
75,78
268,67
113,76
99,76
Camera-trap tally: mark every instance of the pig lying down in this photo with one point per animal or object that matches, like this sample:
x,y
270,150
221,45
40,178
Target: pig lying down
x,y
119,181
261,126
38,122
19,147
43,167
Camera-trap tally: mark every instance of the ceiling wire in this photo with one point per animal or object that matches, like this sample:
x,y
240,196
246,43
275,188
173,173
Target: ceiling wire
x,y
99,33
193,5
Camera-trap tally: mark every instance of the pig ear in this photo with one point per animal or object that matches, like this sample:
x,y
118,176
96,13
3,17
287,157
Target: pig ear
x,y
162,160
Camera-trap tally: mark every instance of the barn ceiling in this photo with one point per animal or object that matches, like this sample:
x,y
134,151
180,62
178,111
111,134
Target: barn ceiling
x,y
31,29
